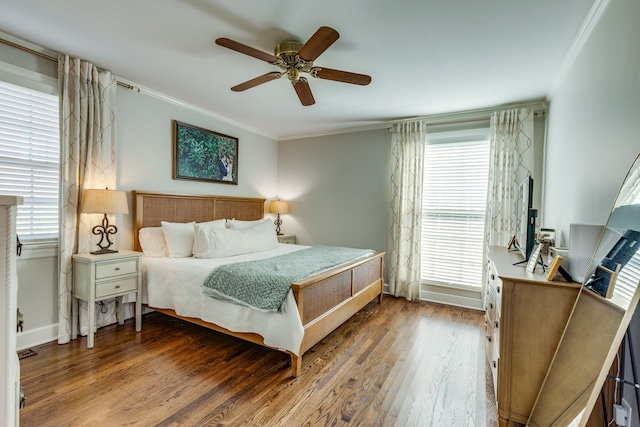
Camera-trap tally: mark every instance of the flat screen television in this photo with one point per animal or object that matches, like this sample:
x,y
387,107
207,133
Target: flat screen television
x,y
525,218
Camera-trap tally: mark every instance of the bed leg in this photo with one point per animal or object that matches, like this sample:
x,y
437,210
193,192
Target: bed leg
x,y
296,365
380,298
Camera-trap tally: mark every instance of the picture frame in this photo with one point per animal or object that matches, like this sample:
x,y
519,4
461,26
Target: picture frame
x,y
554,266
204,155
534,258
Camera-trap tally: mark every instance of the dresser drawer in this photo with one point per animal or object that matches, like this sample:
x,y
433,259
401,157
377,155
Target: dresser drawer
x,y
493,363
492,350
490,305
105,270
116,286
489,336
494,283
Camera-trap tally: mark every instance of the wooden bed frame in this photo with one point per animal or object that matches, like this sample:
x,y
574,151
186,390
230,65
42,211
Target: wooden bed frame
x,y
325,300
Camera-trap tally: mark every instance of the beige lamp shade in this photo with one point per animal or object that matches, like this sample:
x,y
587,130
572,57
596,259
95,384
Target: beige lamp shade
x,y
278,207
105,202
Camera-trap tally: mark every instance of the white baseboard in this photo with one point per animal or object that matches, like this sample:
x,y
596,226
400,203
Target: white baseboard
x,y
457,300
448,296
34,337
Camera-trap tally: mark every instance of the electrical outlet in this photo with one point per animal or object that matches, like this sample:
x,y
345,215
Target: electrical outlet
x,y
620,415
627,408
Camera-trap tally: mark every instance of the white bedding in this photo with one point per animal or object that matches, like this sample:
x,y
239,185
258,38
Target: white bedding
x,y
175,283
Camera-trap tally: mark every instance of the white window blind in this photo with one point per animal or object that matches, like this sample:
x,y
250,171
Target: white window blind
x,y
627,282
453,209
30,158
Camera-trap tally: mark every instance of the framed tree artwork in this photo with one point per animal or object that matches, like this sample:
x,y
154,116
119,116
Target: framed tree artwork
x,y
203,155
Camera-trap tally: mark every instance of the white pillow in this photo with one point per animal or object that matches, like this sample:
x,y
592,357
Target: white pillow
x,y
202,227
215,223
152,242
224,242
236,224
179,238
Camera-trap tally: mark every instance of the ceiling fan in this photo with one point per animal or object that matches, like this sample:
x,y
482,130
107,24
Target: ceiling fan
x,y
293,58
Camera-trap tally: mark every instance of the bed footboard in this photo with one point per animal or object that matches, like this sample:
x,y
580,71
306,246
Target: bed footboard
x,y
325,301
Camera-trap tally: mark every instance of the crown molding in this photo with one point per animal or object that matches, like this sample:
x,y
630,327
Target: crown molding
x,y
177,102
589,24
432,120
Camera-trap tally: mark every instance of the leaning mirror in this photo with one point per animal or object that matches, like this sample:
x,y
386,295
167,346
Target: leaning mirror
x,y
600,317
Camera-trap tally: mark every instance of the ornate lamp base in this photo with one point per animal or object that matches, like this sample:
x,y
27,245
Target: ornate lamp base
x,y
278,223
103,230
104,251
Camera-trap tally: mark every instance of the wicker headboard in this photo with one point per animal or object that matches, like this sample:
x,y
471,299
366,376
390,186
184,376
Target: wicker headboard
x,y
149,209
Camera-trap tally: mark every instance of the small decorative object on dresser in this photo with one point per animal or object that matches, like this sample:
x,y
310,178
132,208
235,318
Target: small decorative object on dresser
x,y
535,258
104,202
100,277
554,266
287,238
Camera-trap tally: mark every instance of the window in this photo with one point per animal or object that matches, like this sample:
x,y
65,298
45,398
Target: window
x,y
456,170
30,158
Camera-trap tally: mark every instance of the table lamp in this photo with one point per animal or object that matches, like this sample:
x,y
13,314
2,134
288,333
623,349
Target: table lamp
x,y
104,202
278,207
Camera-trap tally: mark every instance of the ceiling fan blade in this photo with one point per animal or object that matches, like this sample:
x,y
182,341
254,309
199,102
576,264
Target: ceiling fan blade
x,y
318,43
304,92
257,81
247,50
341,76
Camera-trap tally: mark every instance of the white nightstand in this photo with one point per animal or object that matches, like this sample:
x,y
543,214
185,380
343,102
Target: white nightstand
x,y
99,277
287,238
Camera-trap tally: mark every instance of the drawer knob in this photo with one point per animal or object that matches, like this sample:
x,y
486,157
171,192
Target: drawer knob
x,y
493,277
488,338
117,268
490,305
495,365
117,286
496,323
498,289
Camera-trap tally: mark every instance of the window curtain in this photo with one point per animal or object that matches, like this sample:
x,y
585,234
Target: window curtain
x,y
87,160
407,153
630,192
512,160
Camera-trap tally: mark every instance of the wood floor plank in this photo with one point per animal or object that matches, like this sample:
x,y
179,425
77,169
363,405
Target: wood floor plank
x,y
396,363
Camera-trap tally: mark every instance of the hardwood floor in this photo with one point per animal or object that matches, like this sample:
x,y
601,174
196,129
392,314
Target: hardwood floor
x,y
398,363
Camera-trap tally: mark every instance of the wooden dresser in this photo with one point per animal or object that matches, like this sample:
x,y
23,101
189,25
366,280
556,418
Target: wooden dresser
x,y
525,317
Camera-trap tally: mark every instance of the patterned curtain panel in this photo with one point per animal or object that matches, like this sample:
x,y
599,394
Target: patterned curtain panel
x,y
407,151
87,140
512,160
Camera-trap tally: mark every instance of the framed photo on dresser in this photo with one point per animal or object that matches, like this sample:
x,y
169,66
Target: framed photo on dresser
x,y
534,258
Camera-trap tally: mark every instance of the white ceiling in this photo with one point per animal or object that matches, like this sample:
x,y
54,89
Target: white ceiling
x,y
425,57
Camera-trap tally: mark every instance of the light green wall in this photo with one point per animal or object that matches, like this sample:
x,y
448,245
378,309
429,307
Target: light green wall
x,y
594,122
338,188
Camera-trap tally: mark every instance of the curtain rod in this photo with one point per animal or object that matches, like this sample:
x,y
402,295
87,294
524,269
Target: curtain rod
x,y
538,107
434,122
54,59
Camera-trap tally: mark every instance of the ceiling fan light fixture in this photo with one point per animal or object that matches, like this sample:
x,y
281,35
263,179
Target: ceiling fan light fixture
x,y
293,58
287,51
294,74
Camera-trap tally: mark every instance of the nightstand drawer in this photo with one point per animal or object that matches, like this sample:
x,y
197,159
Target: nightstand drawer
x,y
116,268
287,238
115,287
